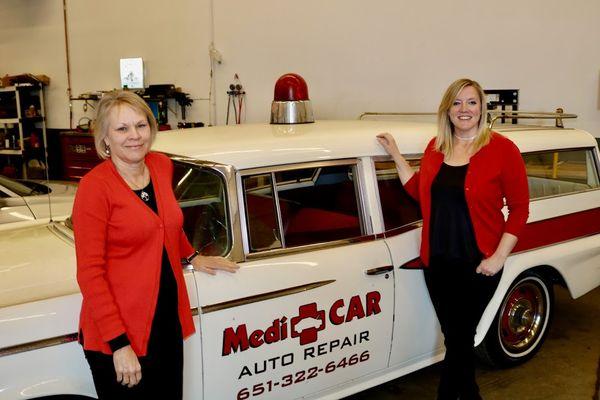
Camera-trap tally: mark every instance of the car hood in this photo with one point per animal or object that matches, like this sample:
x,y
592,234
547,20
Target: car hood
x,y
37,263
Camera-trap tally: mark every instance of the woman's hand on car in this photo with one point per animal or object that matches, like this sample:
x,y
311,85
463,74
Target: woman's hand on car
x,y
127,366
211,265
388,143
405,171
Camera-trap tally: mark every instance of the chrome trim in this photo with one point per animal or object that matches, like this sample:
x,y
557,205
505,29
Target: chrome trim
x,y
311,247
403,229
264,296
379,270
364,221
38,344
292,112
301,165
408,157
62,232
195,311
277,210
228,173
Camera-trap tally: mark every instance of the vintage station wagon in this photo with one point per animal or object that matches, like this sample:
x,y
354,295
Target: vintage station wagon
x,y
330,298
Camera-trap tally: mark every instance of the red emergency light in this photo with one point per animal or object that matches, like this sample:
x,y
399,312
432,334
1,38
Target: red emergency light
x,y
291,104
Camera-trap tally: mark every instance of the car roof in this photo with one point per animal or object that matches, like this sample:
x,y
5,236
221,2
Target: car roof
x,y
257,145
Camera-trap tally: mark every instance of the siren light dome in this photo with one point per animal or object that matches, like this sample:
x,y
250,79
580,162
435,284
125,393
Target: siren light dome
x,y
290,87
291,104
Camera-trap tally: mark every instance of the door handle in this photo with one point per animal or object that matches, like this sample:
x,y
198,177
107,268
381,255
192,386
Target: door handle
x,y
380,270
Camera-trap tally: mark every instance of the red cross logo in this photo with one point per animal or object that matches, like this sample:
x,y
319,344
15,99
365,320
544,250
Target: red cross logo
x,y
308,322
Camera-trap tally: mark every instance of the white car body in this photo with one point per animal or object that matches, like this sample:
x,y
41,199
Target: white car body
x,y
322,320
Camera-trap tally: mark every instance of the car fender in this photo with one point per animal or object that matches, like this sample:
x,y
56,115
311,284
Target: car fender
x,y
562,258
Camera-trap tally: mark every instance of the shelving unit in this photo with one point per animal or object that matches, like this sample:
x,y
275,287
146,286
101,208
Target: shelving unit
x,y
23,127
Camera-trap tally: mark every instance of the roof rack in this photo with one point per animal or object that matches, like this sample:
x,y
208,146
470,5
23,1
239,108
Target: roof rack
x,y
492,115
557,116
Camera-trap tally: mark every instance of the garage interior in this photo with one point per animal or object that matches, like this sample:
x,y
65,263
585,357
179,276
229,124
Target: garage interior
x,y
210,63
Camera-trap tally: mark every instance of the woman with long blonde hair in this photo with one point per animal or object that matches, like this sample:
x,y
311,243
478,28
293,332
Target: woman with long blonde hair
x,y
467,173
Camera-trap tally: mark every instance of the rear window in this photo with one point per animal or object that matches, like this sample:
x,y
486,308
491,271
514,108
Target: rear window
x,y
301,206
552,173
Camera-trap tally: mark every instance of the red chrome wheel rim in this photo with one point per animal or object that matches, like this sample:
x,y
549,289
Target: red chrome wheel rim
x,y
523,317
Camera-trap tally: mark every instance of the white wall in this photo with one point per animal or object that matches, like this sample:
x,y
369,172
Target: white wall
x,y
32,40
386,55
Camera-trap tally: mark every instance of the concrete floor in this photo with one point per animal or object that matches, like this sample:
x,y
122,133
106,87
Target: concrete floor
x,y
566,368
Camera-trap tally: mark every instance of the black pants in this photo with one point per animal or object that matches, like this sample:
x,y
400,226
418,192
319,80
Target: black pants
x,y
459,296
162,369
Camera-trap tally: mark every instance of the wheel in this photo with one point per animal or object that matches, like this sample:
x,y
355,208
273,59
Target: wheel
x,y
521,324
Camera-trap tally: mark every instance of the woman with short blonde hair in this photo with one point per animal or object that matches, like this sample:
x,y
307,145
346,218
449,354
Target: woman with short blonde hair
x,y
135,311
107,104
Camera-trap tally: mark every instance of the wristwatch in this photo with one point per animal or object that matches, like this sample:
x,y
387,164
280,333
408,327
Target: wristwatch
x,y
191,257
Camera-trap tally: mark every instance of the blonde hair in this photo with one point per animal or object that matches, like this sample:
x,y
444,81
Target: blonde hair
x,y
109,102
443,141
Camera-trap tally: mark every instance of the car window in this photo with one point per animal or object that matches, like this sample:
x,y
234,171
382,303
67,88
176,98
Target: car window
x,y
301,206
201,195
397,206
261,213
15,186
552,173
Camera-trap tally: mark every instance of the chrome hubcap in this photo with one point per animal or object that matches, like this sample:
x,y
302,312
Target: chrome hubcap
x,y
522,317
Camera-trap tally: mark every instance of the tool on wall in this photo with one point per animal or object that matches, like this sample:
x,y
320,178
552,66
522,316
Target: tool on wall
x,y
235,99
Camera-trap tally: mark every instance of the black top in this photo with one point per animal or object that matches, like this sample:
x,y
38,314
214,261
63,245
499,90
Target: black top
x,y
451,232
166,312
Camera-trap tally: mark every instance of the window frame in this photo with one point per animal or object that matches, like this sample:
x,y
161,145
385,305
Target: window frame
x,y
227,173
355,163
387,233
595,162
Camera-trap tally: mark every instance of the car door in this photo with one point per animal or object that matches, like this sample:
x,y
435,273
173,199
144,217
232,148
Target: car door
x,y
312,305
417,335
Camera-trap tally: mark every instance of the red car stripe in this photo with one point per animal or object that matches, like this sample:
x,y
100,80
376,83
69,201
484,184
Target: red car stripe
x,y
559,229
547,232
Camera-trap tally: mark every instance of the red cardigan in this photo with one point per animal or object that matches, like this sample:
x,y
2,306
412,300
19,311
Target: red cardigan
x,y
496,172
119,243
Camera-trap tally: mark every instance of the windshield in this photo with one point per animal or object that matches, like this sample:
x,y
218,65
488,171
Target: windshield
x,y
201,194
15,187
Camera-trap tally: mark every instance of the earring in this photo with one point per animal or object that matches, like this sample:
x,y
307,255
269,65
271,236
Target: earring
x,y
107,149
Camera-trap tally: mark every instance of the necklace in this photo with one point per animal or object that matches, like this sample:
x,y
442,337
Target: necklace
x,y
145,196
466,138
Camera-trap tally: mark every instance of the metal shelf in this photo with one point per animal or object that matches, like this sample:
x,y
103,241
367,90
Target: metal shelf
x,y
19,86
11,152
22,123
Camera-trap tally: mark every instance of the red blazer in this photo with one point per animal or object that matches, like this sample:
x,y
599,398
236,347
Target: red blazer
x,y
119,243
496,172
